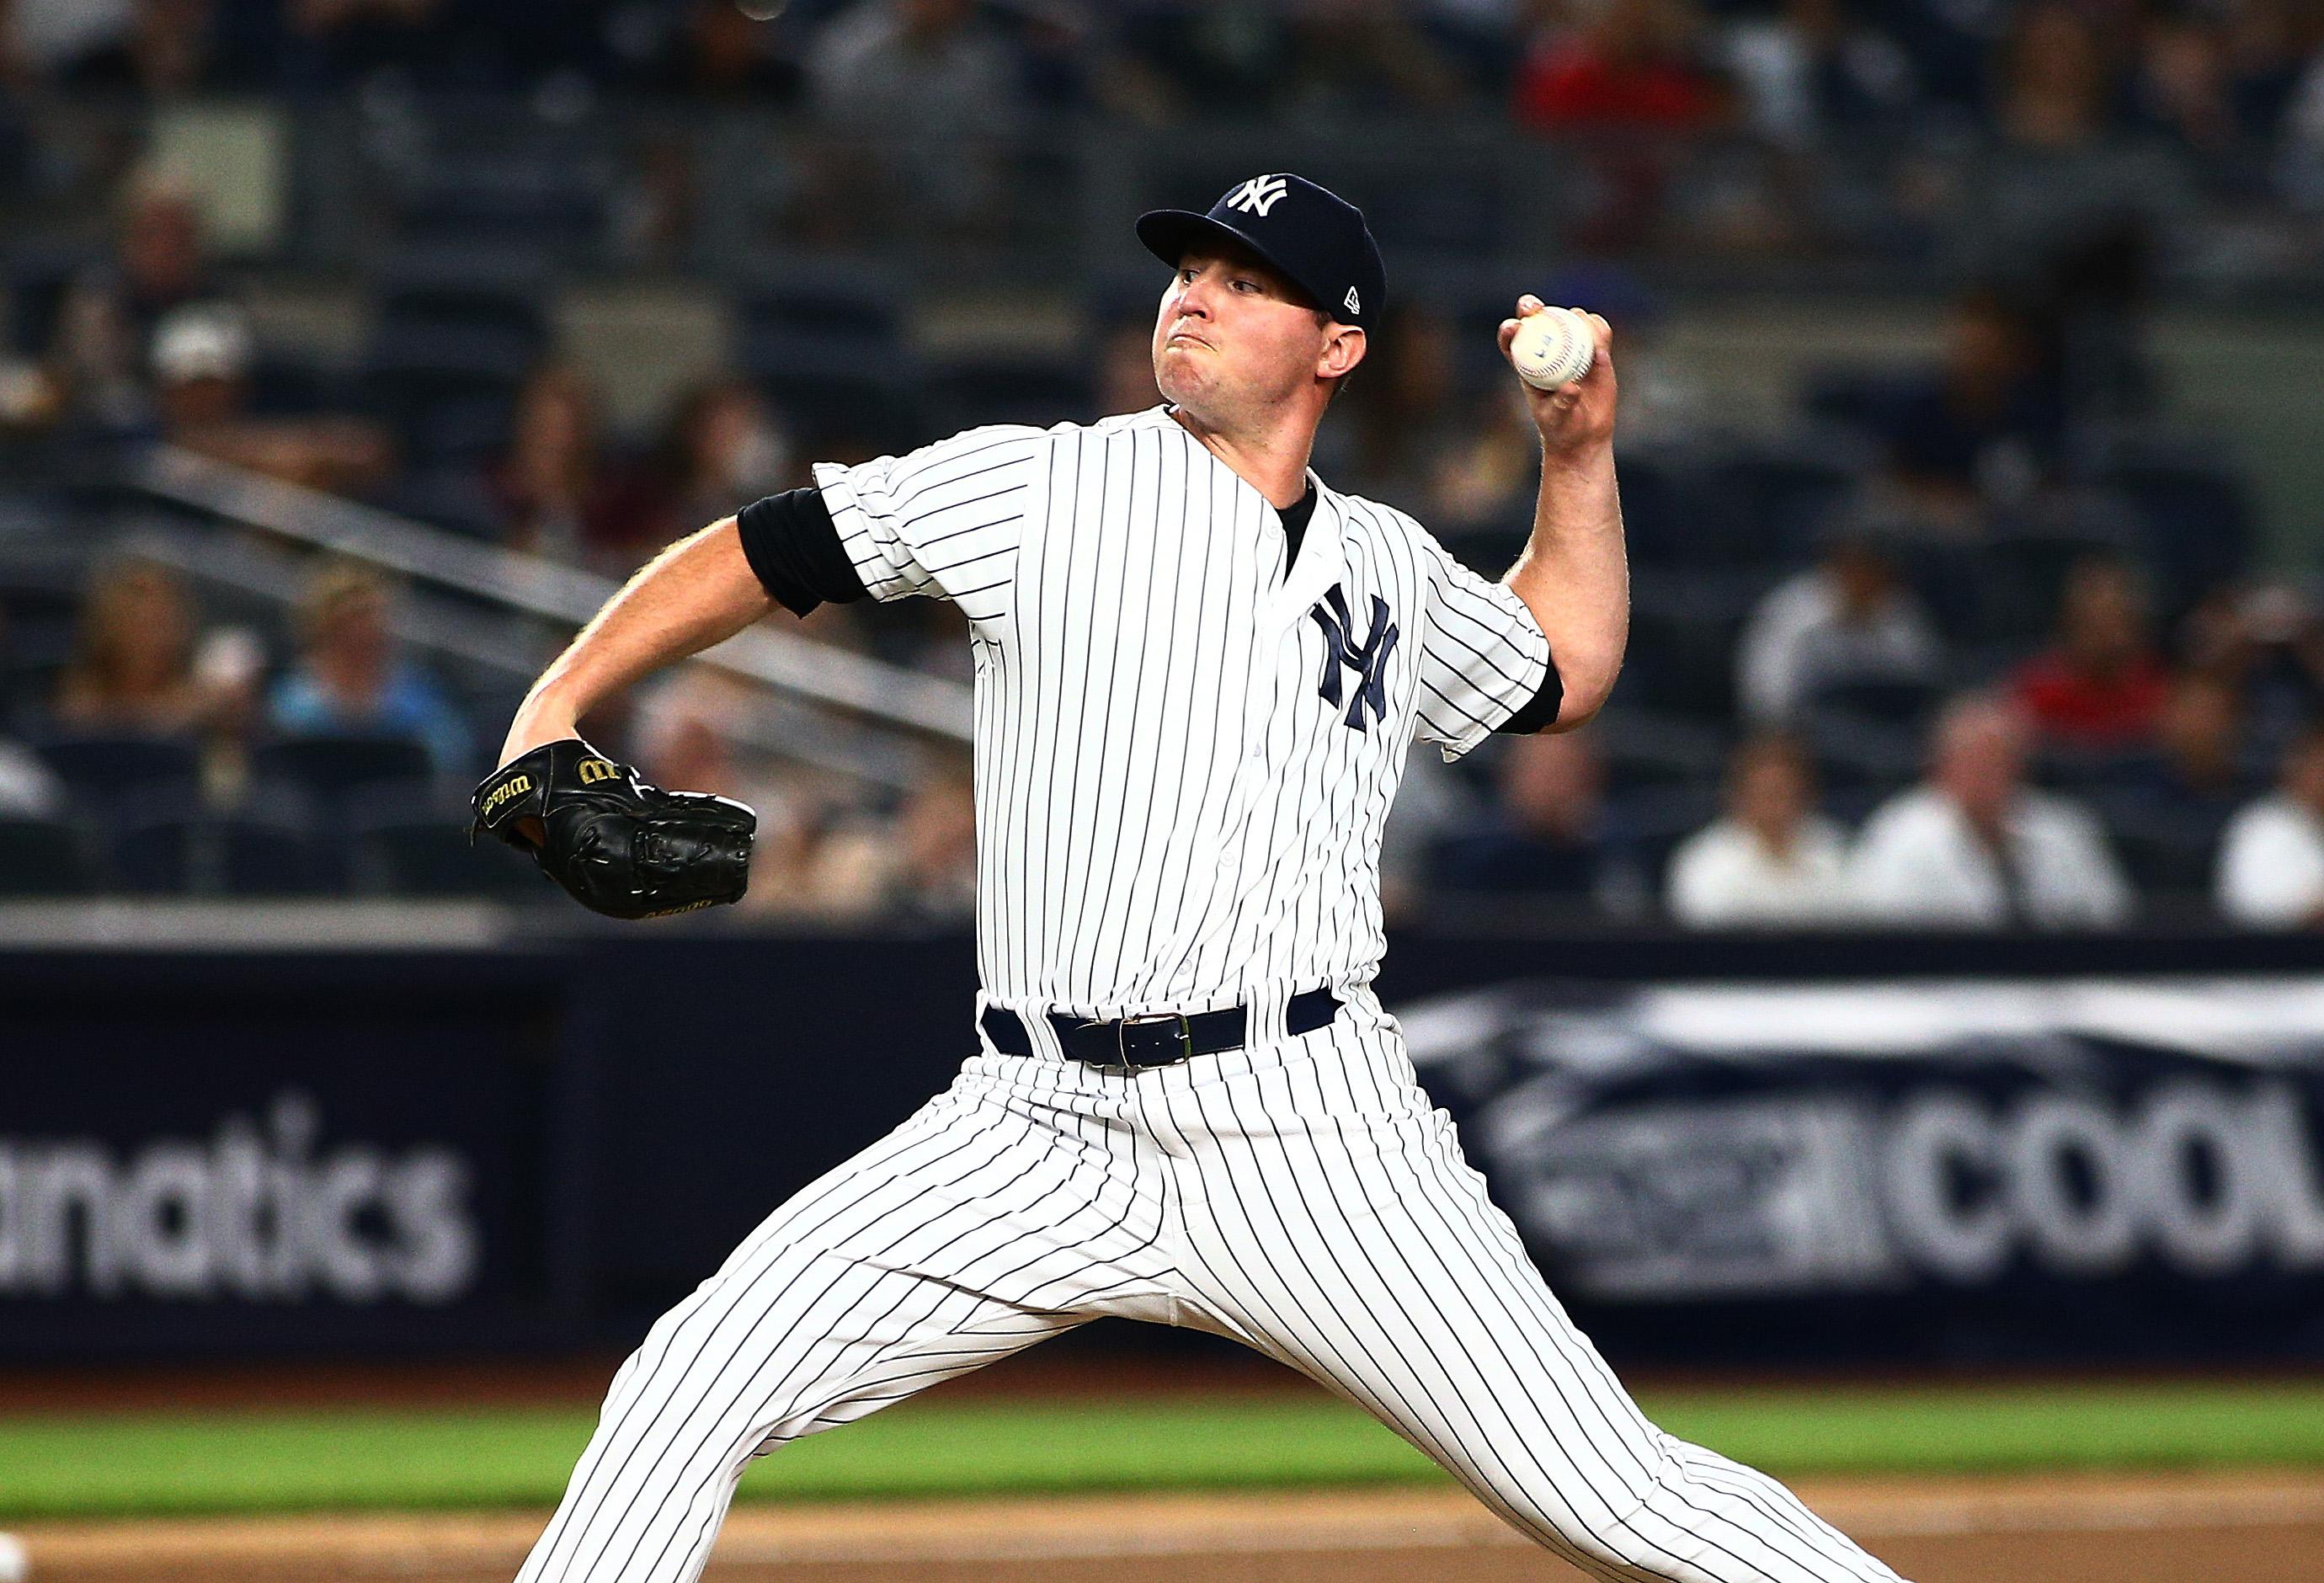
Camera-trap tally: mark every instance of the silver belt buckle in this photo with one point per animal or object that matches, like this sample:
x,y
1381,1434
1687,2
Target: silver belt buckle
x,y
1121,1047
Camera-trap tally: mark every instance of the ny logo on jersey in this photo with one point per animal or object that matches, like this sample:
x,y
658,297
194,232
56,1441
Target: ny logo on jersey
x,y
1368,659
1258,193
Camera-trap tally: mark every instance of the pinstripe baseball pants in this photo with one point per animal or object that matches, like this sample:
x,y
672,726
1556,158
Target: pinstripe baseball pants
x,y
1299,1195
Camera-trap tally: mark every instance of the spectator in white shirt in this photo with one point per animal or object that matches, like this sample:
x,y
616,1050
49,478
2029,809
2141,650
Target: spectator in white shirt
x,y
26,787
2271,858
1973,847
1772,861
1848,618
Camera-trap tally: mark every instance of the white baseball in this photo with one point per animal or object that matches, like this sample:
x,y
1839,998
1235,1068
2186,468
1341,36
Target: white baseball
x,y
16,1564
1553,347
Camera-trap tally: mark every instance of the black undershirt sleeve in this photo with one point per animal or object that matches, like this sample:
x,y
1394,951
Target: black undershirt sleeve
x,y
791,544
1541,710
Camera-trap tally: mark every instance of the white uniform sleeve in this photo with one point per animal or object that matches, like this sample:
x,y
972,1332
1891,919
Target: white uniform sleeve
x,y
1483,656
944,520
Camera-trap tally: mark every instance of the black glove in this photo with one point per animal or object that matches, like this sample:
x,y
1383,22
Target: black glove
x,y
619,846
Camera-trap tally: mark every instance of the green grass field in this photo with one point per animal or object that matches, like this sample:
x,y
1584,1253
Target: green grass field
x,y
154,1463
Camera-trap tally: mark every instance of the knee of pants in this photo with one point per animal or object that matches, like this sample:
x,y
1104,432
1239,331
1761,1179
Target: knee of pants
x,y
1630,1529
1612,1544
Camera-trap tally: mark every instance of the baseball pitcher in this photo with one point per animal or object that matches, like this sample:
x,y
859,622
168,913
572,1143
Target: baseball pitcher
x,y
1198,669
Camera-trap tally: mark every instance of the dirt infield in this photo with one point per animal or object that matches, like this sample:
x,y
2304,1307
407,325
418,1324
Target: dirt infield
x,y
2148,1528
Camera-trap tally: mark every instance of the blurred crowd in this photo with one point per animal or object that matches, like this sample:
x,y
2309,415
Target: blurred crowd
x,y
1950,656
1976,640
2082,105
176,756
2051,74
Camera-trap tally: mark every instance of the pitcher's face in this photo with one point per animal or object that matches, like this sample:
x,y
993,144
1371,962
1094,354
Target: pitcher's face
x,y
1233,333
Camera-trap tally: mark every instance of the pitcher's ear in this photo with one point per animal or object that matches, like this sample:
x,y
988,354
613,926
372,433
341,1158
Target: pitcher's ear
x,y
1343,351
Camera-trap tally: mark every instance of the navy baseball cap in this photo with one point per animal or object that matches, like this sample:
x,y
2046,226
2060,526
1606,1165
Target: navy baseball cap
x,y
1311,233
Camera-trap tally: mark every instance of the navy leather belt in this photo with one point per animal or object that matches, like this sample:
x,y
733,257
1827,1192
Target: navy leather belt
x,y
1162,1039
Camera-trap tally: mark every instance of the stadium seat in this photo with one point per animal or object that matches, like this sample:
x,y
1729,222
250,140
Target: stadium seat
x,y
450,497
1654,820
1852,753
407,841
1662,516
2026,557
447,384
1898,701
173,845
1644,749
37,626
1949,578
102,768
836,389
1035,391
285,385
531,199
854,300
2166,852
329,769
465,430
1860,399
1684,629
44,857
434,356
38,622
1442,215
1852,805
2198,520
1762,504
2081,770
28,686
825,343
39,277
28,598
463,283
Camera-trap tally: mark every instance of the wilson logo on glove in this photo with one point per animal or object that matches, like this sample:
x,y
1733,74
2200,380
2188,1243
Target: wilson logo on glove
x,y
514,786
617,844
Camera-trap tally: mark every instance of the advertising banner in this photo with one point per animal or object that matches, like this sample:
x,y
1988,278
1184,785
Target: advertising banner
x,y
321,1160
2079,1168
266,1152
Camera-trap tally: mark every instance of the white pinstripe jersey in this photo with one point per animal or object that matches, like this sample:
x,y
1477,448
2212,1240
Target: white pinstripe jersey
x,y
1185,752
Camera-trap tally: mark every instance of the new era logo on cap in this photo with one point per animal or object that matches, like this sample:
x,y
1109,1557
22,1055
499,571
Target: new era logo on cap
x,y
1320,242
1258,194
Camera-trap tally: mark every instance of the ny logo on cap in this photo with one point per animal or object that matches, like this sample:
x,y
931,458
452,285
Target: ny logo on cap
x,y
1355,304
1258,194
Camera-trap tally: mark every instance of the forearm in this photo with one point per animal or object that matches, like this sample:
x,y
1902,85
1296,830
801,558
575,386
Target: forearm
x,y
1575,575
698,593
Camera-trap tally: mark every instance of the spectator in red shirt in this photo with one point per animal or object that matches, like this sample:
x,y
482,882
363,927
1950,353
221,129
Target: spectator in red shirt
x,y
2100,687
1629,65
1625,67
